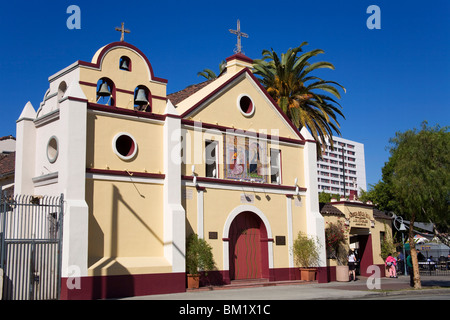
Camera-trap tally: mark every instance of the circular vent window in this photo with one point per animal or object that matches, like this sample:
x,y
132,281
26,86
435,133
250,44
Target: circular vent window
x,y
246,105
124,146
52,149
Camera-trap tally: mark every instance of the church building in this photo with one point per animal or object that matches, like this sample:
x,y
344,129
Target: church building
x,y
141,170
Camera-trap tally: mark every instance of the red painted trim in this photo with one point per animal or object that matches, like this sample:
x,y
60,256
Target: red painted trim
x,y
125,91
237,75
121,44
365,244
240,131
104,287
275,104
201,102
239,56
86,83
159,98
119,286
125,173
242,183
127,112
91,84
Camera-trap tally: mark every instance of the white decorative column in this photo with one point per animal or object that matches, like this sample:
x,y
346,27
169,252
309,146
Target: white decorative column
x,y
174,213
25,151
72,179
200,215
290,236
314,220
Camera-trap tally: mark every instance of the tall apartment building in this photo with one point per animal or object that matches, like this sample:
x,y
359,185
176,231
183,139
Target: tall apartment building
x,y
346,156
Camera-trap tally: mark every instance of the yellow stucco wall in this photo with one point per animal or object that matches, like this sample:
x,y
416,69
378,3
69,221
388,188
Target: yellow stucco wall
x,y
224,109
125,227
374,226
292,164
124,80
219,203
126,214
102,128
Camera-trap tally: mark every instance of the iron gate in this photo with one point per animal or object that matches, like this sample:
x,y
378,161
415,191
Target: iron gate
x,y
30,247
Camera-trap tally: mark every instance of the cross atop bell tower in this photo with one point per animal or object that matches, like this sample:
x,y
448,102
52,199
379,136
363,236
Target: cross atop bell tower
x,y
239,34
123,31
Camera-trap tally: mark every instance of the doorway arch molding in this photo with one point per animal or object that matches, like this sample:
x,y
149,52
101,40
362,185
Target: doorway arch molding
x,y
226,231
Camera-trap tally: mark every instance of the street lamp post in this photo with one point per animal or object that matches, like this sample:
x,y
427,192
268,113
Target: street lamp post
x,y
401,228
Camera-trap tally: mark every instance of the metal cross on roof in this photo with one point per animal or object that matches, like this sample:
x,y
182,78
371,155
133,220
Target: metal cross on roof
x,y
123,30
239,35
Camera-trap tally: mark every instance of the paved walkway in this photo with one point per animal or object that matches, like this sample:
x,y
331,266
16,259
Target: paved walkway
x,y
362,288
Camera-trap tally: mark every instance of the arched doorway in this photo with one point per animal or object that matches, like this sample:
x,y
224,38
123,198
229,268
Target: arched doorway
x,y
248,250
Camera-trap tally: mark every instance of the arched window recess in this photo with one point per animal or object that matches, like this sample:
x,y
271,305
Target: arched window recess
x,y
142,99
105,92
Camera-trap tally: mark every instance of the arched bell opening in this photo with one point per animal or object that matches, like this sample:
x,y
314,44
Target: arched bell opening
x,y
125,63
142,98
105,92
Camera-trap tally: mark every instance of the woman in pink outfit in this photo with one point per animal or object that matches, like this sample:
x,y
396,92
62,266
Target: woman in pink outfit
x,y
391,263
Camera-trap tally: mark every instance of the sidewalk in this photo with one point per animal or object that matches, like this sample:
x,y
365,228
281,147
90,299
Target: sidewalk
x,y
310,290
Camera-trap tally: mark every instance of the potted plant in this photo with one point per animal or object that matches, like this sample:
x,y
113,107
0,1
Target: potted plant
x,y
199,258
337,249
306,255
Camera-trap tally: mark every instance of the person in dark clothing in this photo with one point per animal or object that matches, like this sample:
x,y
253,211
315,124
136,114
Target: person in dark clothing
x,y
401,263
410,270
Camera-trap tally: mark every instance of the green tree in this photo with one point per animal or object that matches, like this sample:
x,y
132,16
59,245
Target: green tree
x,y
420,179
208,74
307,100
381,193
325,197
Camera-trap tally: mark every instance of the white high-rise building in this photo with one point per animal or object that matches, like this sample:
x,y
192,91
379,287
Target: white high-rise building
x,y
330,168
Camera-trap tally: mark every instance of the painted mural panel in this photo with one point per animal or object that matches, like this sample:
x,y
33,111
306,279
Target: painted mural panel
x,y
246,159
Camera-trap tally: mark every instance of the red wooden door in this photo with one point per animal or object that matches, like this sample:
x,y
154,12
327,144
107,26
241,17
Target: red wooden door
x,y
245,234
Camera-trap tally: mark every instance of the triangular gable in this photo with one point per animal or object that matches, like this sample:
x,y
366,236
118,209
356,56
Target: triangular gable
x,y
221,95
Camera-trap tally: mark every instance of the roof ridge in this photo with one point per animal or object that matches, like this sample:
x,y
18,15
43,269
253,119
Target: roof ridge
x,y
178,96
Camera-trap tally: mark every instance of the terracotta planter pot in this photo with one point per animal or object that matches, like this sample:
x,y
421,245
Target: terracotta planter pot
x,y
193,281
342,273
308,274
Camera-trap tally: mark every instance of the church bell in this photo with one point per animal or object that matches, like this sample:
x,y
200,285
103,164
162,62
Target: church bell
x,y
141,97
124,65
103,91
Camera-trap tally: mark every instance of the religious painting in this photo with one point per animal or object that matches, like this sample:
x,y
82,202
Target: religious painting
x,y
235,156
257,160
245,159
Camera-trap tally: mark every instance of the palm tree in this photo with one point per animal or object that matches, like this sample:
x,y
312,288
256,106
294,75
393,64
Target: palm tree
x,y
209,74
304,98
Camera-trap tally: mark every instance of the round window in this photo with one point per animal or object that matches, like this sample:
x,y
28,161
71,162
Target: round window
x,y
246,105
124,146
52,149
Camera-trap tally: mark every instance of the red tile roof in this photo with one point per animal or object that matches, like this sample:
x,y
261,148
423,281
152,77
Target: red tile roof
x,y
179,96
7,164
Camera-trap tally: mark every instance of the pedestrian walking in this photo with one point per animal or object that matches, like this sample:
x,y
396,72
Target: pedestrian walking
x,y
351,265
391,264
401,263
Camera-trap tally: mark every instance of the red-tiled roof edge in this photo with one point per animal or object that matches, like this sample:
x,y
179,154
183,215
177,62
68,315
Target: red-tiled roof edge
x,y
7,164
181,95
7,137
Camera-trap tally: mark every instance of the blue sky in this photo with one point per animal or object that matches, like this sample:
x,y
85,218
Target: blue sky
x,y
395,77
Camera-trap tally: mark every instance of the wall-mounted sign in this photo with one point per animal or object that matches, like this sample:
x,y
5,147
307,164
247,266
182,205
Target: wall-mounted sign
x,y
360,219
